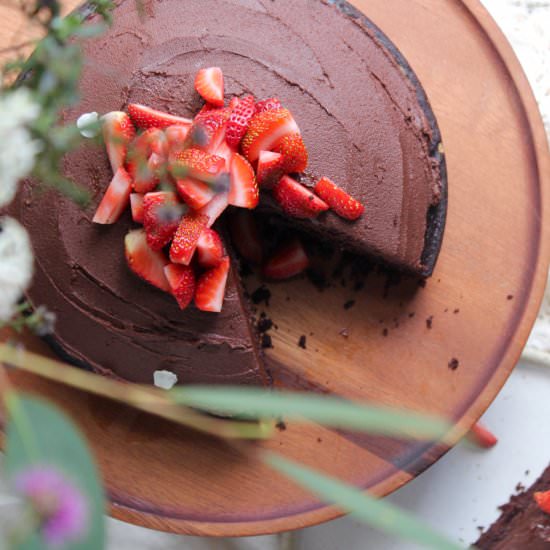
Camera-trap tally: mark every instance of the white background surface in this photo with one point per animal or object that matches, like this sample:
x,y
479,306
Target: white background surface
x,y
462,490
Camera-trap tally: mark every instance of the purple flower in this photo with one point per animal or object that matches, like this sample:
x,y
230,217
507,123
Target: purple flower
x,y
59,504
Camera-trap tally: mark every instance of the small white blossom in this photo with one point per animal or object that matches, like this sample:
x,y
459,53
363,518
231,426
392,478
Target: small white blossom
x,y
165,379
16,264
17,148
85,124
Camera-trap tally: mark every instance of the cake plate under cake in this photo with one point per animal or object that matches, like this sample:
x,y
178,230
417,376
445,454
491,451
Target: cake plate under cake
x,y
478,308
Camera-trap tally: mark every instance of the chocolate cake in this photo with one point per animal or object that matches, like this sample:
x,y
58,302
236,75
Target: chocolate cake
x,y
522,524
361,111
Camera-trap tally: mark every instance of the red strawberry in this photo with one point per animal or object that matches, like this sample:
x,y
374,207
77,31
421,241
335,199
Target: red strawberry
x,y
245,236
234,102
148,264
118,131
175,138
196,164
288,261
208,130
294,152
482,437
344,205
205,108
269,104
211,287
136,204
115,199
145,117
194,192
214,209
239,120
265,129
270,169
226,153
181,279
161,217
243,191
209,84
296,200
209,249
146,159
542,498
186,238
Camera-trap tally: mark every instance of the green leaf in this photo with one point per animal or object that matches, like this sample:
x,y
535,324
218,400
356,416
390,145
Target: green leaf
x,y
39,434
329,411
367,509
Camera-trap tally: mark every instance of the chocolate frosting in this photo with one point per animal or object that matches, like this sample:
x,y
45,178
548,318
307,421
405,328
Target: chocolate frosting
x,y
362,123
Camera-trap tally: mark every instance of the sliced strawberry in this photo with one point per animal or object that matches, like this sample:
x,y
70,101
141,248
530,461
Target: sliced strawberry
x,y
208,130
245,236
148,264
181,279
210,290
226,153
287,262
115,199
118,131
144,117
205,108
194,192
136,204
209,248
344,205
234,102
265,129
243,191
269,104
239,120
294,153
270,169
161,217
209,84
186,238
146,159
175,138
197,164
214,209
542,498
296,200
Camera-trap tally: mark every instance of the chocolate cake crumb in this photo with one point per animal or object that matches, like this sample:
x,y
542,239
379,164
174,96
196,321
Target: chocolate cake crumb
x,y
411,314
453,363
261,294
446,310
319,440
344,332
422,283
349,304
311,333
520,487
281,426
264,323
456,311
317,279
429,322
510,297
385,332
527,472
302,341
266,341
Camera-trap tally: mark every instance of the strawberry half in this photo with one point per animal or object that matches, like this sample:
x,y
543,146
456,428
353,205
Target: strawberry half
x,y
269,104
245,236
118,131
175,138
344,205
270,169
181,279
136,204
208,130
239,120
542,498
144,117
265,129
186,238
161,215
296,200
209,248
198,164
115,199
287,262
214,209
144,262
210,290
209,84
194,192
243,190
294,153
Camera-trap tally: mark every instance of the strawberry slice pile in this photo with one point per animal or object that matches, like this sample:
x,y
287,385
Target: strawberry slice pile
x,y
178,176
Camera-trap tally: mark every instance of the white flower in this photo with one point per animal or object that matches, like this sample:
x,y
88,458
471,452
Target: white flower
x,y
85,124
165,379
17,148
16,264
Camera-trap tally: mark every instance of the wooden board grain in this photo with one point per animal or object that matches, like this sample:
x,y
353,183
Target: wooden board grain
x,y
492,269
